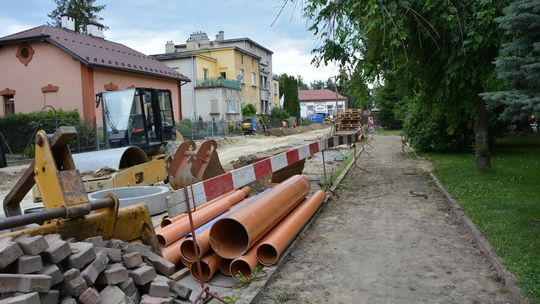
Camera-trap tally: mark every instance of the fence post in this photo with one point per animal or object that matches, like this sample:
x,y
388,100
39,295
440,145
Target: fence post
x,y
96,135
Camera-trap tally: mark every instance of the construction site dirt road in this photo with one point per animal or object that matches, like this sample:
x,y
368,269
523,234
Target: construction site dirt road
x,y
229,149
389,238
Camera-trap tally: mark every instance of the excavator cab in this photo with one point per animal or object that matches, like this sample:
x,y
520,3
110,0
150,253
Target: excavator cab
x,y
140,117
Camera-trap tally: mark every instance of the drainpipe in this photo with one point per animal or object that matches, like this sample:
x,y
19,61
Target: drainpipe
x,y
194,83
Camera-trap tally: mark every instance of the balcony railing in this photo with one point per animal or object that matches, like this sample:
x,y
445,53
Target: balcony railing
x,y
218,82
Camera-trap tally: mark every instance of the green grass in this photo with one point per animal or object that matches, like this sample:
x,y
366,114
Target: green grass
x,y
504,203
388,132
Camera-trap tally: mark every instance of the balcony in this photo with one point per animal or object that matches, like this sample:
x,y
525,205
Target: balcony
x,y
217,82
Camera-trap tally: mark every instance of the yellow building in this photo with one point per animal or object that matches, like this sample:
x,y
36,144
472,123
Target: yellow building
x,y
225,76
275,97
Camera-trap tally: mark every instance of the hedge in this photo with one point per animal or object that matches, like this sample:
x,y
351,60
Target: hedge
x,y
18,129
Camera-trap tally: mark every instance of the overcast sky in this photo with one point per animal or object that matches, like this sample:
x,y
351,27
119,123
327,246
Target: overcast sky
x,y
145,25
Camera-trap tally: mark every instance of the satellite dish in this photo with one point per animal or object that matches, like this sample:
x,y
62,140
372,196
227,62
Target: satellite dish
x,y
239,77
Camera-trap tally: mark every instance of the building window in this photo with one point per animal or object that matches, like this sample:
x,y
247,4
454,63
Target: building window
x,y
223,75
232,106
275,89
205,73
242,59
9,104
241,75
253,79
25,53
214,109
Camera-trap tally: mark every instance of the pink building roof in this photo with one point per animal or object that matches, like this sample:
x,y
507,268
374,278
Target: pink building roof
x,y
319,95
94,51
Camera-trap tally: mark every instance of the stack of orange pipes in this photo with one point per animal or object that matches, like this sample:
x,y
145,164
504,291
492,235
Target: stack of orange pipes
x,y
171,236
258,230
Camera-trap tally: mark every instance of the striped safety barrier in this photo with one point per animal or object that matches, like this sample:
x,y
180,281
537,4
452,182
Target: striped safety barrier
x,y
211,188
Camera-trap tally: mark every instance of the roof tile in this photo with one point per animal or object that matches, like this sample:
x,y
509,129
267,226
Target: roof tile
x,y
96,51
322,94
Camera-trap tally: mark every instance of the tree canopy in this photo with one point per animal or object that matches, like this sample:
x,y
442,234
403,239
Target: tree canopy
x,y
84,12
441,50
518,63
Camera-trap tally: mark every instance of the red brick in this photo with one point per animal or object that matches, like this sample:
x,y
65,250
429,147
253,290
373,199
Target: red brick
x,y
90,296
24,282
58,250
132,259
9,252
92,271
159,288
29,298
113,295
53,271
113,274
32,245
50,297
180,290
27,264
114,255
82,254
161,265
142,275
74,284
128,287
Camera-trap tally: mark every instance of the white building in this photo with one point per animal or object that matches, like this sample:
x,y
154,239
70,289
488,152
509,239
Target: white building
x,y
323,101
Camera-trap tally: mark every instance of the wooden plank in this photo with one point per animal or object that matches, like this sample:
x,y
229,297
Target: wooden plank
x,y
179,274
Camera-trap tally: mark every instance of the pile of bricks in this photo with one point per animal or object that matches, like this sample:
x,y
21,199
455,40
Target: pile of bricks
x,y
47,269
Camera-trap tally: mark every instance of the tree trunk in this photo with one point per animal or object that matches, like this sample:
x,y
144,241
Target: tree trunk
x,y
481,145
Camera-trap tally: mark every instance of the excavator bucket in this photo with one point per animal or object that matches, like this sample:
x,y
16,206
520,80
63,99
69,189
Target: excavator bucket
x,y
190,165
68,210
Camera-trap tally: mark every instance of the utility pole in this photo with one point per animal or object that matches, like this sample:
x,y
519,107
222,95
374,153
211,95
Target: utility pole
x,y
335,89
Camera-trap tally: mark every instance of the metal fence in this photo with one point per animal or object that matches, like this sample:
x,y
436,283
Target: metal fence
x,y
17,140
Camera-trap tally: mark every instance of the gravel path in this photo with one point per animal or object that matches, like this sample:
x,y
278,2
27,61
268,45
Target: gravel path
x,y
383,241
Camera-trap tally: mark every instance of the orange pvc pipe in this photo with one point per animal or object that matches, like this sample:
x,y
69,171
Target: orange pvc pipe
x,y
186,263
276,241
225,267
203,245
169,220
177,230
245,264
209,266
232,236
172,253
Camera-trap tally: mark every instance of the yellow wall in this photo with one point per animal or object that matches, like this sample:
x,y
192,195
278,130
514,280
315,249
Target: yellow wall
x,y
275,87
203,62
229,60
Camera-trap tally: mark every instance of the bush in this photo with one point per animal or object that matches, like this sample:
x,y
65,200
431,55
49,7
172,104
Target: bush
x,y
279,113
249,110
18,129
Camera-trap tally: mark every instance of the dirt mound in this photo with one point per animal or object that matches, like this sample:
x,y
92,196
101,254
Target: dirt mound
x,y
291,131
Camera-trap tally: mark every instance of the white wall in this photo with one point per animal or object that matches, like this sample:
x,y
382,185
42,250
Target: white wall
x,y
307,109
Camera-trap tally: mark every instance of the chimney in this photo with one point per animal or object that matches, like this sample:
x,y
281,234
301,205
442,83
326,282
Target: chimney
x,y
95,29
169,47
220,36
67,22
196,40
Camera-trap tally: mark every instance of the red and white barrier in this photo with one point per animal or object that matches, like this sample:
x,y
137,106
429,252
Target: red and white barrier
x,y
211,188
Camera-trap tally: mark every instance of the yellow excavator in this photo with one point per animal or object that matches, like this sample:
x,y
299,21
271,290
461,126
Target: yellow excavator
x,y
142,146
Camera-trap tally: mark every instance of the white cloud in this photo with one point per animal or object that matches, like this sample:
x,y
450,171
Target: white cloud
x,y
11,26
144,41
294,58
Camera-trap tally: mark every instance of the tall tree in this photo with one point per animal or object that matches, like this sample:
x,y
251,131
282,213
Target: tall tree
x,y
84,12
302,85
291,103
443,48
317,85
518,63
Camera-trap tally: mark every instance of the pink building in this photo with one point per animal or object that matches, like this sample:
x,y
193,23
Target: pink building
x,y
59,67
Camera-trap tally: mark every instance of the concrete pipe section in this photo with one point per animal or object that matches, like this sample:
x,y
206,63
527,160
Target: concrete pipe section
x,y
116,159
153,196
